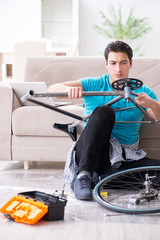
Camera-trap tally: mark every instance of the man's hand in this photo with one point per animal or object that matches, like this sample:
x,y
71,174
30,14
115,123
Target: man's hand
x,y
153,107
74,92
144,100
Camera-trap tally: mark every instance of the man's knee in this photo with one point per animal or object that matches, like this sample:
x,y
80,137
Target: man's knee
x,y
105,112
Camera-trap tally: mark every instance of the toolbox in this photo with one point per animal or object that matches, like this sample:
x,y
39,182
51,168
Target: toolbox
x,y
30,207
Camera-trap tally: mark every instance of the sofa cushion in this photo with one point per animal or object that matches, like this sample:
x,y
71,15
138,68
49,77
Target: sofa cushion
x,y
40,148
147,70
38,121
53,69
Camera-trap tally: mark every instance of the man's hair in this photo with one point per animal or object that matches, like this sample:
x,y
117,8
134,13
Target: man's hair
x,y
118,46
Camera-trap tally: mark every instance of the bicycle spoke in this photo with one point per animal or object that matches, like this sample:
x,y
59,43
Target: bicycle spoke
x,y
131,191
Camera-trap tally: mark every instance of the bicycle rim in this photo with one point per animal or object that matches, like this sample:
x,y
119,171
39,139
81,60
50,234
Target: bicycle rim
x,y
125,191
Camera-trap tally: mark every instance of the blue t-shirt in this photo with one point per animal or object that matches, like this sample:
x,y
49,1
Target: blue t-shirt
x,y
125,133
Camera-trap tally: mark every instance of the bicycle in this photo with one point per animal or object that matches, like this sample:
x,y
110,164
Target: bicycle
x,y
134,191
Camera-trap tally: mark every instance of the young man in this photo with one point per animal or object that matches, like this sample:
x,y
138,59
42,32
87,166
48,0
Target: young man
x,y
105,145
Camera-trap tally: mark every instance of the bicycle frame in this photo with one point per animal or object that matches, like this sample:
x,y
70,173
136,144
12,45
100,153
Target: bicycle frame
x,y
70,128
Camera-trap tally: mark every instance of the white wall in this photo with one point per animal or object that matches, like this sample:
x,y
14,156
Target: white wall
x,y
93,44
19,20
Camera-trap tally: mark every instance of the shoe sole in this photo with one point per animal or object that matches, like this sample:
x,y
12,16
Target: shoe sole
x,y
84,198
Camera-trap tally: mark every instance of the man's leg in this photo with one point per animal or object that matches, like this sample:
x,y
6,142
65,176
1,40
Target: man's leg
x,y
144,162
92,149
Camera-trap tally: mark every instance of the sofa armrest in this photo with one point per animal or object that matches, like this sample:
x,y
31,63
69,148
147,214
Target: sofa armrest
x,y
6,96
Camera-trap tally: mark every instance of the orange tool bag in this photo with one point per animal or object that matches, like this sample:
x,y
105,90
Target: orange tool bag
x,y
30,207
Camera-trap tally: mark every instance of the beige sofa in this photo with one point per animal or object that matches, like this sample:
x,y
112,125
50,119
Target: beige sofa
x,y
26,133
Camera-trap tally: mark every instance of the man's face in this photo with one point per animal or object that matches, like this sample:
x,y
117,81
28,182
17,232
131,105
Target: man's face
x,y
118,66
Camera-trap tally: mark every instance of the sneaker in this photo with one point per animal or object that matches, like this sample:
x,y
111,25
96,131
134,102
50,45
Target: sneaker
x,y
94,180
82,188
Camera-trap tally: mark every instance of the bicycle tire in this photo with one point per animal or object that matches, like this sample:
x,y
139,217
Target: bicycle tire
x,y
120,189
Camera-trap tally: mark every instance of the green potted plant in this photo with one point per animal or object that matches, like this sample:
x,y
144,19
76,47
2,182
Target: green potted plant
x,y
113,27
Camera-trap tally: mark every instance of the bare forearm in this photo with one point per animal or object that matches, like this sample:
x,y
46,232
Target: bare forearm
x,y
74,88
58,87
154,110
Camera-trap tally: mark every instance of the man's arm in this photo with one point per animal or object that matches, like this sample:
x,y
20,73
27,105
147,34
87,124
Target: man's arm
x,y
74,88
153,107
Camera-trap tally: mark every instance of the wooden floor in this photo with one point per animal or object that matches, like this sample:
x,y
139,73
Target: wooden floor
x,y
84,220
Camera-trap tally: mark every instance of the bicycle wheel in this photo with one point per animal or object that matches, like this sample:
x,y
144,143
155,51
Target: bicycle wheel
x,y
134,191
